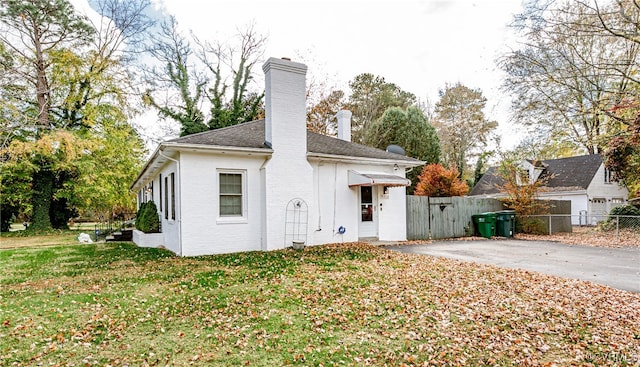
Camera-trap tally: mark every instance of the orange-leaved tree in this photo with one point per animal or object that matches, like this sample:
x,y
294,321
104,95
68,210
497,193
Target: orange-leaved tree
x,y
522,196
437,181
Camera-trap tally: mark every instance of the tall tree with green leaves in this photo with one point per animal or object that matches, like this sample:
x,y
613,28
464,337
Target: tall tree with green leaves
x,y
68,80
34,32
370,96
410,129
462,127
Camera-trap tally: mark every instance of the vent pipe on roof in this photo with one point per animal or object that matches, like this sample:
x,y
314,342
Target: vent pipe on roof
x,y
344,125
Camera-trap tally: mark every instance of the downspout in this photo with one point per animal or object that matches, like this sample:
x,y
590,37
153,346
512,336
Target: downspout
x,y
319,199
179,196
263,204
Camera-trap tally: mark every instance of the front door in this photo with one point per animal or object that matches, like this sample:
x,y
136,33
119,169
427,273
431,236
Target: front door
x,y
368,222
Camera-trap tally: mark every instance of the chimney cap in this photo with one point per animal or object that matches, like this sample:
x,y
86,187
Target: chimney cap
x,y
286,58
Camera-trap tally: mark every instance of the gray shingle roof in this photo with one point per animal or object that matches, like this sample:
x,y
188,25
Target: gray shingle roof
x,y
563,173
247,135
251,135
489,183
571,172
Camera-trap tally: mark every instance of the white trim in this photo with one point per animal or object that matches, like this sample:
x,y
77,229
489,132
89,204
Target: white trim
x,y
363,160
216,148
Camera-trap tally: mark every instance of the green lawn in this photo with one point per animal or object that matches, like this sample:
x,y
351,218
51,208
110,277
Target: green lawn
x,y
352,304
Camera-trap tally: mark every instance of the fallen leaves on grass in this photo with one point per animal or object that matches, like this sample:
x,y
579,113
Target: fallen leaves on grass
x,y
347,304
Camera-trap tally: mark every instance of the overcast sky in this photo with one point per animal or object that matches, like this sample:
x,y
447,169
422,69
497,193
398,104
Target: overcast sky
x,y
418,45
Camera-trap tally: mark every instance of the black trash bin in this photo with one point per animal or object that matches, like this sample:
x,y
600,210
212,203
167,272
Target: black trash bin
x,y
506,223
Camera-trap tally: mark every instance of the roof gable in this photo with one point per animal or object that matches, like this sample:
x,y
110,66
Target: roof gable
x,y
573,172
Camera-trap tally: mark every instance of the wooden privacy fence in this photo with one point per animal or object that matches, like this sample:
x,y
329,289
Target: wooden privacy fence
x,y
450,217
446,217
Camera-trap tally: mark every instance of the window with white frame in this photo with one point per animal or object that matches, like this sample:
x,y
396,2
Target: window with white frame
x,y
232,197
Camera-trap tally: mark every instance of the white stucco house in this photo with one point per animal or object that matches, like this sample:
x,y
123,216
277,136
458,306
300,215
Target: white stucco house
x,y
583,180
265,184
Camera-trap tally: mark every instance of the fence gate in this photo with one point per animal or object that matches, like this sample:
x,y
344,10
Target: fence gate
x,y
417,217
446,217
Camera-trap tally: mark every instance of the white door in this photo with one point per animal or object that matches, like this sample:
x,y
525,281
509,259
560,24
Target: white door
x,y
598,210
368,221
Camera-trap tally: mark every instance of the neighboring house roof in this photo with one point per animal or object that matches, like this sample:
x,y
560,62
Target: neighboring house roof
x,y
563,174
489,183
250,137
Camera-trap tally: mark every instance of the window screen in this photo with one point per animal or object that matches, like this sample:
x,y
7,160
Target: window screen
x,y
230,194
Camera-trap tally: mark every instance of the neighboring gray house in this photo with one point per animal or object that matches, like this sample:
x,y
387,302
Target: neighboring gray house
x,y
583,180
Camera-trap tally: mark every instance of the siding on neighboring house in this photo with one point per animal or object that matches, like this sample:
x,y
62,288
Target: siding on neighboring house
x,y
605,196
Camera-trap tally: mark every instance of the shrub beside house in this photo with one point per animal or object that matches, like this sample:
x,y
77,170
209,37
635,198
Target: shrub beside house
x,y
147,232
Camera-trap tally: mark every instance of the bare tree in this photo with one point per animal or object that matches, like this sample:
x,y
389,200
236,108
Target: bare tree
x,y
177,89
568,73
233,103
216,77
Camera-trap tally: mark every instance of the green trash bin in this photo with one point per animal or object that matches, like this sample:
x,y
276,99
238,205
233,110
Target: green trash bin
x,y
506,223
485,224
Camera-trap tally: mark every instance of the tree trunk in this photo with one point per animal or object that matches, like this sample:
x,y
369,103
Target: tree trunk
x,y
42,84
42,187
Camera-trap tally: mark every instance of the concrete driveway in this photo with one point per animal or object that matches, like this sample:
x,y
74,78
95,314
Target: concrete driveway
x,y
618,268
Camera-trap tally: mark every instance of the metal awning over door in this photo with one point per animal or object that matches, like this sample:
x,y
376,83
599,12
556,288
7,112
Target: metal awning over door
x,y
376,179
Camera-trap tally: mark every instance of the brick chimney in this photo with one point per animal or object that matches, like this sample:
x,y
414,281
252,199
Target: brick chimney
x,y
344,125
285,110
287,175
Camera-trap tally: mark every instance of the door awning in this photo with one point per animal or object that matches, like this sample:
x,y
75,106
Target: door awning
x,y
376,179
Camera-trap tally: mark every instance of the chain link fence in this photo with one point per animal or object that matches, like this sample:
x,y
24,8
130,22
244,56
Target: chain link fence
x,y
618,225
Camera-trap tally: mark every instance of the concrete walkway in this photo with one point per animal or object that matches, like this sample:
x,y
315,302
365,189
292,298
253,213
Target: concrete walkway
x,y
618,268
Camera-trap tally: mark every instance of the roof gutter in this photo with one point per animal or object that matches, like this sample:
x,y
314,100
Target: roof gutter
x,y
144,169
216,148
195,148
351,159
